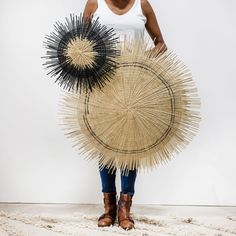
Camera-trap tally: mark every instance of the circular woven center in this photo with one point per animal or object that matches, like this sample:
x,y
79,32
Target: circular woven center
x,y
81,52
133,113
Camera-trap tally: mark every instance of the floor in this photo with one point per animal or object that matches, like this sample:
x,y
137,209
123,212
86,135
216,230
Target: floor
x,y
81,220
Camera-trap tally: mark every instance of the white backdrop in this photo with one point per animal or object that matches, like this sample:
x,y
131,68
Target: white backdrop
x,y
38,163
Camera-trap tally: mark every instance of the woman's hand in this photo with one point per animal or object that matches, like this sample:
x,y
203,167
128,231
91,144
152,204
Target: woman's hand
x,y
157,50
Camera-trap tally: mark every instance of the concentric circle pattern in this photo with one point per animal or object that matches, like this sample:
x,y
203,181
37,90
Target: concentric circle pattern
x,y
146,114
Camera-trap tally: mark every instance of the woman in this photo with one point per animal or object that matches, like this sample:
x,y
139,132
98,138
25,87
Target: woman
x,y
126,17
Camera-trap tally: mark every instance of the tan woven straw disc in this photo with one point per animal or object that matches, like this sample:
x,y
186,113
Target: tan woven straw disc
x,y
148,112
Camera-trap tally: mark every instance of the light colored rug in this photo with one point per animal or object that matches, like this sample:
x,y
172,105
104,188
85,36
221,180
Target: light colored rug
x,y
17,223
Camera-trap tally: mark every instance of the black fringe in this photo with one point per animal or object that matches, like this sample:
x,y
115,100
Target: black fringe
x,y
70,76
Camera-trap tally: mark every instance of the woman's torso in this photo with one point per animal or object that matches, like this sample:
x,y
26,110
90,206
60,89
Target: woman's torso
x,y
130,24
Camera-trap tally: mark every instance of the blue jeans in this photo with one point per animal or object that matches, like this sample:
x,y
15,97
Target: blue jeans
x,y
127,181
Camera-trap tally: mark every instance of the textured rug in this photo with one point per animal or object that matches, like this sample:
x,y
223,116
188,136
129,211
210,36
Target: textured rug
x,y
24,224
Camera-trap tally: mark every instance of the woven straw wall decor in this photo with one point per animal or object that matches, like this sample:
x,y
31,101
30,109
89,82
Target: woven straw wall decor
x,y
81,54
145,115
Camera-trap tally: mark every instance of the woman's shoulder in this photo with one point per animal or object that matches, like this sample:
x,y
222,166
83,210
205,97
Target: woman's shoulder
x,y
92,3
146,7
90,7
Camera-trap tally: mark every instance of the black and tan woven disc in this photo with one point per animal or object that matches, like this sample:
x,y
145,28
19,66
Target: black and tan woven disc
x,y
81,54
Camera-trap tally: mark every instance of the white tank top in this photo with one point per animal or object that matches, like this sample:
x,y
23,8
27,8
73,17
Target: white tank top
x,y
131,24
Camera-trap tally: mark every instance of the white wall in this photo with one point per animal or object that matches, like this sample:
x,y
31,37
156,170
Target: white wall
x,y
38,163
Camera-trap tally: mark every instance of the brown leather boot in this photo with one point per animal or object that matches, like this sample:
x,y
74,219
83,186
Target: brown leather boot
x,y
108,218
124,205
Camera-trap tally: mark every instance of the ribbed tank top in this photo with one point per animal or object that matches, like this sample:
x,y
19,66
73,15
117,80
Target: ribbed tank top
x,y
130,24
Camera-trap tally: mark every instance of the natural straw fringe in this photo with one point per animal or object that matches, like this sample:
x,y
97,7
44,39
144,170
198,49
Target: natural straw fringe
x,y
145,115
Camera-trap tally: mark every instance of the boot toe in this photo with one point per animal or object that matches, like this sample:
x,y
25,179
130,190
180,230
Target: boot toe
x,y
126,224
104,223
105,220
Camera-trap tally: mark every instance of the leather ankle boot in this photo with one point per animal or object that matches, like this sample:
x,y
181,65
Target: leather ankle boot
x,y
124,205
109,216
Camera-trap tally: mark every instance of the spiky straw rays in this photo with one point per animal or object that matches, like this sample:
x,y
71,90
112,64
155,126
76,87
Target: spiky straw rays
x,y
81,54
146,114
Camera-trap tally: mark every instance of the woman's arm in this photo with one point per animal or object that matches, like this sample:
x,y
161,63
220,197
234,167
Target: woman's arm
x,y
89,9
152,27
